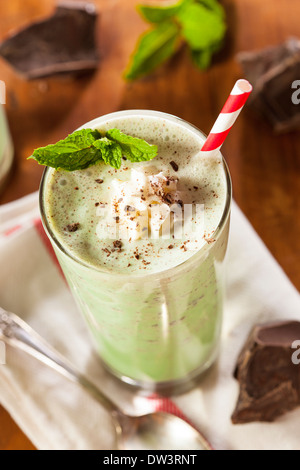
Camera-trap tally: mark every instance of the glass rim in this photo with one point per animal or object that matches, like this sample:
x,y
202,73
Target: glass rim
x,y
166,272
6,148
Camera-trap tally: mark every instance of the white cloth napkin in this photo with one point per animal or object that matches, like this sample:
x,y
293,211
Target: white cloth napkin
x,y
57,414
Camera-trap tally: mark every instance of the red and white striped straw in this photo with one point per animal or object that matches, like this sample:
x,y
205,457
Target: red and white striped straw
x,y
227,117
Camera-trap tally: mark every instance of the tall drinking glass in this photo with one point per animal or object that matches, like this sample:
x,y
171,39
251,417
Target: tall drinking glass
x,y
158,330
6,148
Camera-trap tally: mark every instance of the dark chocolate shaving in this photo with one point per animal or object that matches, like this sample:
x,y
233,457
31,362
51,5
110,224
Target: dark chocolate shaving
x,y
62,43
272,72
269,379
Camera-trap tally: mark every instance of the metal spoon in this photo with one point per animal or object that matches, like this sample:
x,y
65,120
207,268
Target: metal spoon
x,y
153,431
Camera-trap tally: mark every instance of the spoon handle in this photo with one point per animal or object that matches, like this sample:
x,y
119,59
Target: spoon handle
x,y
19,334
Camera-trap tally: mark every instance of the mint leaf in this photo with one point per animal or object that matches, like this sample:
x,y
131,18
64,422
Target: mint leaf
x,y
87,147
201,27
199,23
154,48
157,14
136,150
74,152
111,152
203,57
213,5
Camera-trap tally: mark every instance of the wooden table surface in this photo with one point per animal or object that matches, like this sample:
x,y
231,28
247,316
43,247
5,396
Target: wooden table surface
x,y
265,168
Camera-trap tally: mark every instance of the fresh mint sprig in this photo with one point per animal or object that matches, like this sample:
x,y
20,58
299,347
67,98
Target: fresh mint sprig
x,y
88,147
198,23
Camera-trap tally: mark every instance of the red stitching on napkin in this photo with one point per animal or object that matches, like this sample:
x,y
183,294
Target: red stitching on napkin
x,y
12,230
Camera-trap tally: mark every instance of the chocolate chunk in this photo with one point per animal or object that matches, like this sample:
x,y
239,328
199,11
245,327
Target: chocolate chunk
x,y
62,43
174,165
73,227
272,72
269,378
99,181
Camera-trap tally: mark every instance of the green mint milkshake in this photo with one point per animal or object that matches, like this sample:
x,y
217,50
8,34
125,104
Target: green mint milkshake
x,y
142,248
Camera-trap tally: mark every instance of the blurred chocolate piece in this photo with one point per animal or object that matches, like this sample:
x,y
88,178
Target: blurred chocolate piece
x,y
272,72
62,43
269,380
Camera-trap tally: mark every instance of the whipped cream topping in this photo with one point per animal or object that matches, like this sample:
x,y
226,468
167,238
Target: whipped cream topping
x,y
148,204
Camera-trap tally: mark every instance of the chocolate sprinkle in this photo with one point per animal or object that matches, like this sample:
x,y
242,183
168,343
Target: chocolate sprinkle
x,y
117,244
129,209
73,227
174,165
107,251
167,198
